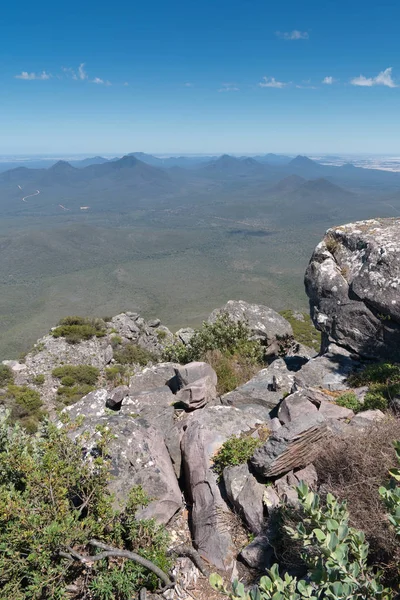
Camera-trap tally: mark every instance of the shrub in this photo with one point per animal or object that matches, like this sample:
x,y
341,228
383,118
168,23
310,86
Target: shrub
x,y
116,340
349,400
375,399
24,405
235,451
133,354
76,329
231,371
354,469
225,335
39,379
383,380
77,374
6,375
304,331
70,394
118,374
51,500
331,243
161,334
335,555
390,493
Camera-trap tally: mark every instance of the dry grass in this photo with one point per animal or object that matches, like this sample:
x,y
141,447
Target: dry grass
x,y
232,371
353,469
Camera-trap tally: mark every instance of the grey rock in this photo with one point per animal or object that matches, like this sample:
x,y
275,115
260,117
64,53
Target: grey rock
x,y
286,490
116,396
275,424
353,284
108,354
206,431
193,371
246,495
294,406
138,457
271,499
185,334
259,554
90,406
264,323
197,394
153,377
308,475
259,390
366,418
154,323
333,411
329,372
291,447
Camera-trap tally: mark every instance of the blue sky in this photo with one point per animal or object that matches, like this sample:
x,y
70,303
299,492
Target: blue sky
x,y
200,77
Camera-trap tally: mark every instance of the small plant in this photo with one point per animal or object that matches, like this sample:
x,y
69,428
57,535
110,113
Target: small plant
x,y
304,331
235,451
390,493
349,400
24,406
118,374
334,553
116,340
76,329
77,374
68,394
39,379
383,380
161,334
331,243
375,399
133,354
6,375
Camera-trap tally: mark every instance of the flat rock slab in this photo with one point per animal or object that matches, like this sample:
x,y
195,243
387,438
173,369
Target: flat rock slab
x,y
328,372
138,457
152,377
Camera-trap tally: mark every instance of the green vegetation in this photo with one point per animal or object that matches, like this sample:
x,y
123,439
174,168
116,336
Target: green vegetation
x,y
76,329
39,379
52,500
131,354
390,493
331,243
77,374
304,331
383,380
24,406
116,340
335,554
226,346
6,375
161,334
235,451
349,400
118,374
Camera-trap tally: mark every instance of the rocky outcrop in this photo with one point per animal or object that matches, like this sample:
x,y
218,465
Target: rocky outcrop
x,y
264,323
353,283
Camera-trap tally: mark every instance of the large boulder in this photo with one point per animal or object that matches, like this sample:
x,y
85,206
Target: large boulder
x,y
206,431
329,371
246,495
138,457
264,323
353,282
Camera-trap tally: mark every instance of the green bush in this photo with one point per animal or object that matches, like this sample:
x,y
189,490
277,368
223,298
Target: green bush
x,y
39,379
133,354
24,406
349,400
383,380
51,499
235,451
390,493
224,335
76,329
70,394
335,554
118,374
116,340
304,331
6,375
77,374
376,398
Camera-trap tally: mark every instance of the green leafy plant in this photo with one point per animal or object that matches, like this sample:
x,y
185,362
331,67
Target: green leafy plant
x,y
334,552
349,400
133,354
76,329
303,330
77,374
6,375
383,380
39,379
235,451
24,405
53,502
118,374
390,493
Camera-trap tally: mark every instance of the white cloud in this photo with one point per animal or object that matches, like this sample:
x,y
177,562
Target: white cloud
x,y
125,84
100,81
272,83
188,84
70,72
229,87
328,80
306,87
383,78
31,76
293,35
81,71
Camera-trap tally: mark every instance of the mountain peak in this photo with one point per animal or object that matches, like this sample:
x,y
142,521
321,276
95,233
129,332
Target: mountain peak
x,y
302,161
61,166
